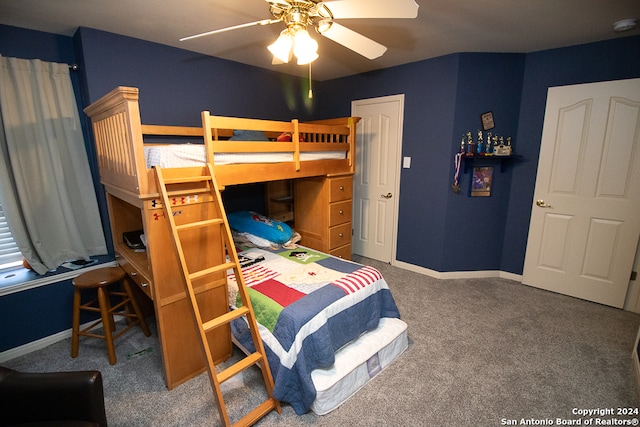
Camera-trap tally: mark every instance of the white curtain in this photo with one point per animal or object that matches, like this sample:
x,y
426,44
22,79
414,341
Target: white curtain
x,y
46,188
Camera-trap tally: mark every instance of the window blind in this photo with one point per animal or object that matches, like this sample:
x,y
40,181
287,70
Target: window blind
x,y
9,253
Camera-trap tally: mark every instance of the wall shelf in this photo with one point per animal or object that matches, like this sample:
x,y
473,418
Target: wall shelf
x,y
504,160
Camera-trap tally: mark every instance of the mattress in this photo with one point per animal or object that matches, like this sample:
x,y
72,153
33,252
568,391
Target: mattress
x,y
185,155
358,362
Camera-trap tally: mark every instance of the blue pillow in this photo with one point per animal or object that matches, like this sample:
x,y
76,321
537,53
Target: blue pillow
x,y
248,135
261,226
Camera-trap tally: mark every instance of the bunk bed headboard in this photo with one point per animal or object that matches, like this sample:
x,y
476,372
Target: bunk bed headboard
x,y
118,138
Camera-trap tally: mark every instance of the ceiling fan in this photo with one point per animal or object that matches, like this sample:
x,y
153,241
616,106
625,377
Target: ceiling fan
x,y
298,15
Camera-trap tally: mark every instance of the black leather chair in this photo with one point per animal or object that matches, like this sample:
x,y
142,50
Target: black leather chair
x,y
51,399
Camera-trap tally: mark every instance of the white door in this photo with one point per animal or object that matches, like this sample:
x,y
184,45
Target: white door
x,y
376,182
585,218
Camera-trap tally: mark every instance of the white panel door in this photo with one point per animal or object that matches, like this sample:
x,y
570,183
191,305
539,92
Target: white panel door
x,y
376,182
585,218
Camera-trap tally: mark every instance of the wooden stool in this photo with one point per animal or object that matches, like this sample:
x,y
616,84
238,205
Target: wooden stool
x,y
101,279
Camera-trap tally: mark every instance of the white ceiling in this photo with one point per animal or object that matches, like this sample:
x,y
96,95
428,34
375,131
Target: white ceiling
x,y
442,27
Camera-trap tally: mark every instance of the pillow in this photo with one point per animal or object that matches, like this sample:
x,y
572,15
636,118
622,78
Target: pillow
x,y
248,135
261,226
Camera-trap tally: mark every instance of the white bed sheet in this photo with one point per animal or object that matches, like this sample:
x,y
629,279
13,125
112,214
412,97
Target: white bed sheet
x,y
184,155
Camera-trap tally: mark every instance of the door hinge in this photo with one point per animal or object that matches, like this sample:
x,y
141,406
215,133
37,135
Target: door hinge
x,y
634,275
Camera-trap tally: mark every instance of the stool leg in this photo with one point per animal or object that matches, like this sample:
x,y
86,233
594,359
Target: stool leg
x,y
107,295
107,320
136,308
75,339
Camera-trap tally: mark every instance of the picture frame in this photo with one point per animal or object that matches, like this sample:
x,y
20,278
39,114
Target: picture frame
x,y
487,120
481,181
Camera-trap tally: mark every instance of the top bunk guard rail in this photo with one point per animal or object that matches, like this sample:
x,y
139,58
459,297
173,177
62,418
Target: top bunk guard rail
x,y
118,134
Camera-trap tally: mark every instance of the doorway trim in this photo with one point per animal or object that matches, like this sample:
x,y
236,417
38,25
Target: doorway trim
x,y
399,98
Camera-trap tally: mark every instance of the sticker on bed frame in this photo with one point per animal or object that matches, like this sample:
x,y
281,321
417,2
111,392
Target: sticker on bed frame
x,y
373,365
184,200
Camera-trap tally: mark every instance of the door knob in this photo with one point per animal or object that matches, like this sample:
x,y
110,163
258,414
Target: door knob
x,y
386,196
541,203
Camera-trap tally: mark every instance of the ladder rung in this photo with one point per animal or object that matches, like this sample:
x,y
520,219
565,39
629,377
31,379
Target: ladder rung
x,y
237,367
211,270
187,191
206,223
257,413
187,179
225,318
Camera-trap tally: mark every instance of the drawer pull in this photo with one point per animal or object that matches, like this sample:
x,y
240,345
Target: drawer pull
x,y
341,212
144,285
133,273
342,188
341,235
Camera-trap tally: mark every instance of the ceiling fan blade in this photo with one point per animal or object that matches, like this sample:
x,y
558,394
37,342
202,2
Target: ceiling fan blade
x,y
235,27
354,41
346,9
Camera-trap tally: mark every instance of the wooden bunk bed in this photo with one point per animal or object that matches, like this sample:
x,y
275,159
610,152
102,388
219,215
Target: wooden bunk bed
x,y
134,204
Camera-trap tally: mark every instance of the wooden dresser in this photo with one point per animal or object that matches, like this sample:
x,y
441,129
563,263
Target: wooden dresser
x,y
323,209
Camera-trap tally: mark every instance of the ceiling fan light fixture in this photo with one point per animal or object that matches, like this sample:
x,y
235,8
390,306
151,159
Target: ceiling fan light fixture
x,y
281,48
307,58
304,47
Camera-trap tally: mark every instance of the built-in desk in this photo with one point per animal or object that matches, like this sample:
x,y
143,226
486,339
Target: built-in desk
x,y
156,271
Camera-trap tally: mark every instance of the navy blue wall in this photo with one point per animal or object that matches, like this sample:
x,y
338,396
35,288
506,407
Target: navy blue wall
x,y
474,226
429,112
444,97
176,85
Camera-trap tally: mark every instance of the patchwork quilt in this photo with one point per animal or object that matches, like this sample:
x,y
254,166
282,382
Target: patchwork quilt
x,y
308,305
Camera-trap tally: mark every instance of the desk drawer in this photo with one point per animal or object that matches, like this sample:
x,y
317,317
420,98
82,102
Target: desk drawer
x,y
339,213
341,189
340,235
139,278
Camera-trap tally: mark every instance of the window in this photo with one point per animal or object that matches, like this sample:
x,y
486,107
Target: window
x,y
10,255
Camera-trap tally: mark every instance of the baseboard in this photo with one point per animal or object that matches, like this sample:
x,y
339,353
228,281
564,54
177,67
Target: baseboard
x,y
42,343
480,274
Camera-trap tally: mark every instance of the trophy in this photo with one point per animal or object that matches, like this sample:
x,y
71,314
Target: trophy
x,y
503,150
480,148
471,147
489,148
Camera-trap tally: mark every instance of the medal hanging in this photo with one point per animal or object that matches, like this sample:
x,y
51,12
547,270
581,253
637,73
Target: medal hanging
x,y
457,161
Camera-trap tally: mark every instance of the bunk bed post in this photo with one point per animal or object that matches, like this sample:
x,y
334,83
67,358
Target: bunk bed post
x,y
296,143
351,123
208,136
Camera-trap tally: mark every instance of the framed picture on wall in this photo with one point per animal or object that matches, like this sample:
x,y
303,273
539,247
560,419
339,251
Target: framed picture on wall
x,y
481,181
487,120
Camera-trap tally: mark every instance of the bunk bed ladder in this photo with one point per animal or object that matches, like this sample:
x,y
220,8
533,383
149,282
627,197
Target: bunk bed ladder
x,y
199,183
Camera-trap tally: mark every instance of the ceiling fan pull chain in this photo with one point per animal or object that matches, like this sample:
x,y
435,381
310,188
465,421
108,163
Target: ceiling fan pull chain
x,y
310,89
